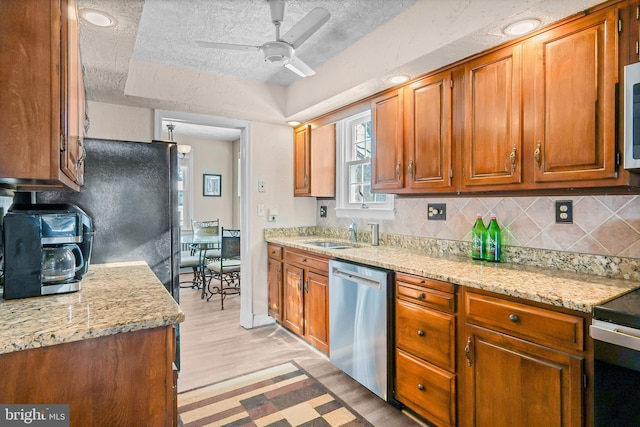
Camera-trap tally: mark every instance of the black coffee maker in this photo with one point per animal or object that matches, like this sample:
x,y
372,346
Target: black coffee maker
x,y
47,249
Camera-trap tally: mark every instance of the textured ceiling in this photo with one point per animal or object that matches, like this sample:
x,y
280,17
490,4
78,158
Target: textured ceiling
x,y
150,59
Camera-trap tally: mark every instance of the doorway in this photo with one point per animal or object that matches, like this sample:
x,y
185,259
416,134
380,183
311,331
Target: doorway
x,y
226,126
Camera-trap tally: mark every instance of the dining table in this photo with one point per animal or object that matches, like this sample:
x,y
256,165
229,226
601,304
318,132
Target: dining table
x,y
203,245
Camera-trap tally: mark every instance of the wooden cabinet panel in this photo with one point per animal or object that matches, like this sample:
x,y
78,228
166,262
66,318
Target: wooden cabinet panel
x,y
427,390
293,302
511,382
426,292
316,310
576,73
427,132
493,105
43,95
387,135
323,161
125,379
301,162
557,330
274,279
306,297
427,334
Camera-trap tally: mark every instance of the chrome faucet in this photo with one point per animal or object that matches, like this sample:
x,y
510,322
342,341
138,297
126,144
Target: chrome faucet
x,y
353,229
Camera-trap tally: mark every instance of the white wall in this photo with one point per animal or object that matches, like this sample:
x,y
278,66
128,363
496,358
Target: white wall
x,y
119,122
272,162
212,157
236,184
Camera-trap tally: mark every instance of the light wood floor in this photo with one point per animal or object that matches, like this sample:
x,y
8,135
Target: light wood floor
x,y
214,348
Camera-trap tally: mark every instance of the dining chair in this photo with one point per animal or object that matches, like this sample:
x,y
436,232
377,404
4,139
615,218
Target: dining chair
x,y
226,270
201,253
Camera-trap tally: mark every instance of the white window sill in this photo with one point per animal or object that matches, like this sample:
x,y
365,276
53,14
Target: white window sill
x,y
369,213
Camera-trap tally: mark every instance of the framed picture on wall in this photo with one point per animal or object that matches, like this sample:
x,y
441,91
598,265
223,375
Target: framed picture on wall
x,y
212,185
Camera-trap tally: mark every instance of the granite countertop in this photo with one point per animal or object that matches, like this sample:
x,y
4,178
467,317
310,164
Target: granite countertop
x,y
575,291
115,298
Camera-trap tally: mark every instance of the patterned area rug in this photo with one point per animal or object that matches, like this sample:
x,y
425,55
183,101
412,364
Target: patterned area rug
x,y
284,395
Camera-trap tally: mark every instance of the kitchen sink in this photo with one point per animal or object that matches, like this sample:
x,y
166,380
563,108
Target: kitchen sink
x,y
330,245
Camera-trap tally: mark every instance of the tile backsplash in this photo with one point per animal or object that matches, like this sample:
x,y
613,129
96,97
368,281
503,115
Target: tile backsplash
x,y
602,225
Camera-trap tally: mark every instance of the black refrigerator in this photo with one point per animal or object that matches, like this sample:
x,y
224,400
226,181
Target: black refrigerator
x,y
131,193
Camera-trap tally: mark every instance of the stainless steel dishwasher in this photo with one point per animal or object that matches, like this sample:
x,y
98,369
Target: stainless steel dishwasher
x,y
359,327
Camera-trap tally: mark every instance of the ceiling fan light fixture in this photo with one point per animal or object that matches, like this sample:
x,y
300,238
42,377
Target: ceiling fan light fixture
x,y
277,53
522,27
97,17
293,123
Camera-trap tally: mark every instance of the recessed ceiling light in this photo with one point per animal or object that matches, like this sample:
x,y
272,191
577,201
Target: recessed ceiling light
x,y
293,123
97,17
522,27
400,78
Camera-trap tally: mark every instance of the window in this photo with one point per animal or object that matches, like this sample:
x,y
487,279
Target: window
x,y
353,188
185,192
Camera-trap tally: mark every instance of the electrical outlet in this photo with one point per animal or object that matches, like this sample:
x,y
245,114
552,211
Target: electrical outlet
x,y
272,218
260,210
437,211
323,211
564,211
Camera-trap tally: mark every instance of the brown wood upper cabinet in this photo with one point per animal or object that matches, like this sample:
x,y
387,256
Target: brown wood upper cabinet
x,y
493,138
42,101
427,133
387,143
574,88
315,161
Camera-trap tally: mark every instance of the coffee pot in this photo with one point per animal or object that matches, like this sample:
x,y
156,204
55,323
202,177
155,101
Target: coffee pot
x,y
61,263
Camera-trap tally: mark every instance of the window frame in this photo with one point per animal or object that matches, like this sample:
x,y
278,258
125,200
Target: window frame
x,y
343,146
187,192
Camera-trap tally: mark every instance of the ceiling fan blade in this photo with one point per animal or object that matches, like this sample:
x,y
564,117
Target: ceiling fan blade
x,y
306,27
300,68
277,10
228,46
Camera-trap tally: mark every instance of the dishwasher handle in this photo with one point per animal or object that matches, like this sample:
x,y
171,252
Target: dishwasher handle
x,y
359,278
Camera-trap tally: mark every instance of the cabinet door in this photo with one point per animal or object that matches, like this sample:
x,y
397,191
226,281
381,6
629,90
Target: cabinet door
x,y
323,161
72,104
387,151
301,162
274,279
317,310
510,382
575,82
293,306
492,136
427,132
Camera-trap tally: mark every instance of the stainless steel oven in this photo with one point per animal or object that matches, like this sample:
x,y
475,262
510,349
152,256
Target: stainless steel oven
x,y
616,333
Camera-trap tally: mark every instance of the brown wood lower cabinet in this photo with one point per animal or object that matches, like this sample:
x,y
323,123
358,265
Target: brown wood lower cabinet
x,y
126,379
274,280
522,364
306,297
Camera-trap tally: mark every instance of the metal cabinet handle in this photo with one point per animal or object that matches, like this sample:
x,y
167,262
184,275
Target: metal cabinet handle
x,y
514,318
467,351
422,296
306,286
398,169
410,167
420,387
512,157
420,333
536,155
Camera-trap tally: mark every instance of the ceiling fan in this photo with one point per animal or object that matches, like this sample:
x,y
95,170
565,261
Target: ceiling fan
x,y
281,51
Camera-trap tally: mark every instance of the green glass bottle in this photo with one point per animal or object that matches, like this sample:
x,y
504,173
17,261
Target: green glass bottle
x,y
493,241
478,238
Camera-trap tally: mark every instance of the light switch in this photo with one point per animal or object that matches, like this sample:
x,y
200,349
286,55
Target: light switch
x,y
261,187
260,210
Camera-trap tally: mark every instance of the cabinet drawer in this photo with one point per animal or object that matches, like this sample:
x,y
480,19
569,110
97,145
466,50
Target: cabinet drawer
x,y
425,389
542,326
426,292
427,334
274,251
321,265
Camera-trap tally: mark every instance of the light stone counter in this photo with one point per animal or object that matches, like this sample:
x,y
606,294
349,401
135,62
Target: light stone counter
x,y
575,291
115,298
